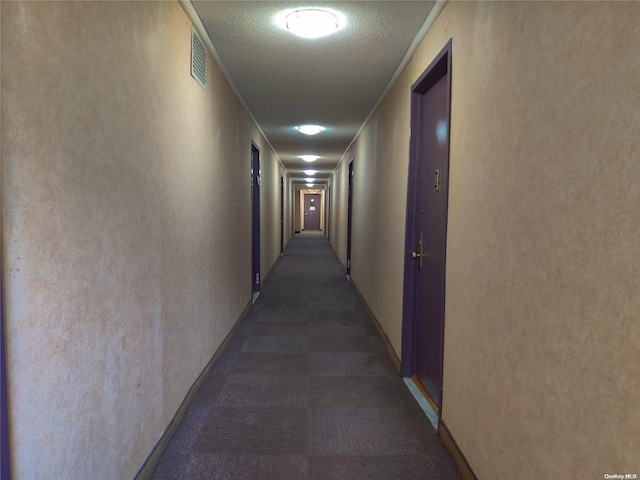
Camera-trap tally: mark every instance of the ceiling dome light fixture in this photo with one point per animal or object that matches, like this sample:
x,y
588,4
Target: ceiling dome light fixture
x,y
309,158
311,22
311,173
310,129
309,179
309,184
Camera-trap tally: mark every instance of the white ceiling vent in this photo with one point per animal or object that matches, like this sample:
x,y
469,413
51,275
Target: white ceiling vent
x,y
198,59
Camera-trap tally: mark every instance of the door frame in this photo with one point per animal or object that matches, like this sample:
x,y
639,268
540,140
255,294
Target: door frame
x,y
293,194
438,68
5,458
327,218
319,197
281,215
349,215
5,453
255,219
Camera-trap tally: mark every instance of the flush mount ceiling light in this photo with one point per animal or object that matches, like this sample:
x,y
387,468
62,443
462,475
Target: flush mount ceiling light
x,y
309,179
310,129
309,184
309,158
311,173
311,22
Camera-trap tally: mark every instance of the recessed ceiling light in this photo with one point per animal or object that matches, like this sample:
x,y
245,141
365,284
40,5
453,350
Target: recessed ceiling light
x,y
309,179
311,22
309,184
310,129
311,173
309,158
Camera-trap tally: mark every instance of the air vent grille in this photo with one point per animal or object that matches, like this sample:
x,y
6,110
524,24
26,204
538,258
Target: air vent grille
x,y
198,59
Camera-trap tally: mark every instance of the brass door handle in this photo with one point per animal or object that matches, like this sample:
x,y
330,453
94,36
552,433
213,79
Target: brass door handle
x,y
418,255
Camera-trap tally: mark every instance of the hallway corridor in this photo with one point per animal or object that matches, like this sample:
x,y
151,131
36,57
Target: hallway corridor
x,y
305,389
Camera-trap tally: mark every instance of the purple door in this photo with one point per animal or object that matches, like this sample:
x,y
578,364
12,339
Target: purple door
x,y
255,219
281,215
432,228
312,211
427,228
349,215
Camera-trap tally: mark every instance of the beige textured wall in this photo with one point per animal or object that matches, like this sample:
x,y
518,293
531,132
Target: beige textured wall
x,y
298,211
542,326
542,280
270,171
126,215
338,205
288,209
381,157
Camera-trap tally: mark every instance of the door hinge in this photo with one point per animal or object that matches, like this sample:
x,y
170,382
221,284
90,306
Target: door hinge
x,y
437,180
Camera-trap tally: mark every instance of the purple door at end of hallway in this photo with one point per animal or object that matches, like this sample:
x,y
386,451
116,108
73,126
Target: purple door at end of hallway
x,y
312,211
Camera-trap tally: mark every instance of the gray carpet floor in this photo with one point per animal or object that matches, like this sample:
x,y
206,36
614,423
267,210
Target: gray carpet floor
x,y
305,390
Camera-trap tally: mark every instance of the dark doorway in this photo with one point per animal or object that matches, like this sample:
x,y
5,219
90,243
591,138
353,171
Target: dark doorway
x,y
281,215
312,211
255,220
349,216
426,235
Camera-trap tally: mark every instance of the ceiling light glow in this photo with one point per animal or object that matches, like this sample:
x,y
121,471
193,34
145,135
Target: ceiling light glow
x,y
309,179
309,158
311,22
309,184
311,173
310,129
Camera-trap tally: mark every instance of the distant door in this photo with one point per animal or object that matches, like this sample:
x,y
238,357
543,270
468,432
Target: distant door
x,y
327,218
349,215
255,218
427,224
295,196
281,215
312,211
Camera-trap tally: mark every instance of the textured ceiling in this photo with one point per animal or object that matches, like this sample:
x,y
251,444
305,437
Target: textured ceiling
x,y
334,81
